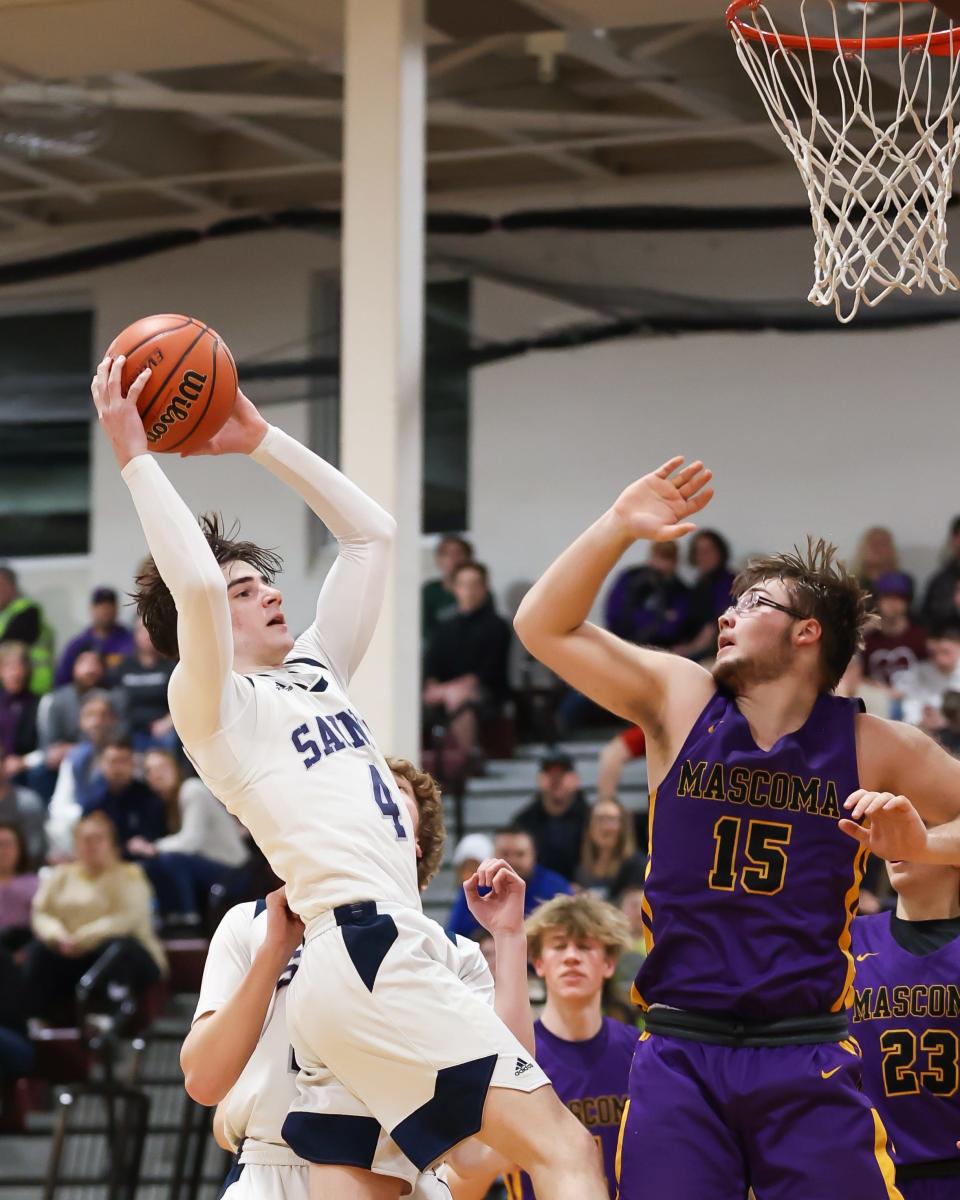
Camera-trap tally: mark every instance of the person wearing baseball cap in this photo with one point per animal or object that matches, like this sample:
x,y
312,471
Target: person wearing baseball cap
x,y
105,635
557,816
897,643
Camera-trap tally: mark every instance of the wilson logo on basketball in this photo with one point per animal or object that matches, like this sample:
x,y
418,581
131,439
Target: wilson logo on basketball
x,y
190,389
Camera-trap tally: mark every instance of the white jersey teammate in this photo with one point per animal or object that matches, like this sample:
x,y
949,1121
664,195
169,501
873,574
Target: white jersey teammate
x,y
253,957
267,722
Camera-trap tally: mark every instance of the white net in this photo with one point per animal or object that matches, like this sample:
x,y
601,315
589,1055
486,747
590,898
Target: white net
x,y
872,132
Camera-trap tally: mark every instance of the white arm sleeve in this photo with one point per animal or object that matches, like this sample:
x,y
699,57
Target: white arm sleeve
x,y
204,693
349,602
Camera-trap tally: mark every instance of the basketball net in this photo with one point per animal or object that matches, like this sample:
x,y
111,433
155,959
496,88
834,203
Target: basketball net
x,y
878,170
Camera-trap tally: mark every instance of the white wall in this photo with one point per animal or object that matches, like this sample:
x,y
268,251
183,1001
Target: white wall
x,y
823,434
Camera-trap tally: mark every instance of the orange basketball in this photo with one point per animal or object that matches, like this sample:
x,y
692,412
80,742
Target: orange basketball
x,y
193,387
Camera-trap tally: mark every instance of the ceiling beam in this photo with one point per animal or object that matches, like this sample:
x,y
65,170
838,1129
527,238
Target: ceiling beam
x,y
241,126
247,104
669,133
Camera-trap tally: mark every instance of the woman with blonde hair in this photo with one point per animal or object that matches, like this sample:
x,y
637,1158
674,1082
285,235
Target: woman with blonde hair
x,y
207,848
609,861
876,555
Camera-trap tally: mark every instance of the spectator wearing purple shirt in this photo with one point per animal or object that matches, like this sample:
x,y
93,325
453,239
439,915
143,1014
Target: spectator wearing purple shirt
x,y
650,605
112,641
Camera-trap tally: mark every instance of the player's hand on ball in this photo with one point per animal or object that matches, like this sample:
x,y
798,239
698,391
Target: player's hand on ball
x,y
284,928
118,412
501,909
658,506
243,432
892,828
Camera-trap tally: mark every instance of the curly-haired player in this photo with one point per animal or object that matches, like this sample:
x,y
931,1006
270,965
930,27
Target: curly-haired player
x,y
746,1077
267,721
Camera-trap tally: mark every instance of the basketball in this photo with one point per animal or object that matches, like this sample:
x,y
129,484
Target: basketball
x,y
193,387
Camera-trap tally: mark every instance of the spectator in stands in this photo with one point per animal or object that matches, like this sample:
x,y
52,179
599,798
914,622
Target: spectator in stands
x,y
18,705
896,643
136,811
941,604
83,910
209,846
140,694
19,753
614,756
649,604
22,620
710,596
105,636
58,719
949,735
876,554
78,772
557,816
469,853
18,886
922,688
609,861
439,599
21,807
466,661
515,846
16,1052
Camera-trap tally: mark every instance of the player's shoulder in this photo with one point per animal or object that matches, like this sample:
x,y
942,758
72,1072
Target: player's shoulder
x,y
867,931
239,921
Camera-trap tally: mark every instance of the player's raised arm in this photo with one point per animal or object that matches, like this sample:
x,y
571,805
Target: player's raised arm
x,y
552,620
184,560
349,602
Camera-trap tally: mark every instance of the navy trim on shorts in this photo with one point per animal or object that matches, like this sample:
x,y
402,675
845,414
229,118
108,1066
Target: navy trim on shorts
x,y
232,1175
454,1113
332,1138
367,936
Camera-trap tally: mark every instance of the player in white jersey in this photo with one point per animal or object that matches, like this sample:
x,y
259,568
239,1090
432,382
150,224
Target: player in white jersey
x,y
253,956
267,722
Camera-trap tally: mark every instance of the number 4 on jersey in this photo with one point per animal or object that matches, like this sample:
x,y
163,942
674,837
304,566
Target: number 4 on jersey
x,y
385,801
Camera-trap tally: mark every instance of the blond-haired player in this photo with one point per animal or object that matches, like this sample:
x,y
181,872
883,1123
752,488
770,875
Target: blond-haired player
x,y
574,943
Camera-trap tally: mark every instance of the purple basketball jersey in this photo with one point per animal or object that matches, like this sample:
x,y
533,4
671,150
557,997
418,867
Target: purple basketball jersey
x,y
591,1079
906,1017
751,886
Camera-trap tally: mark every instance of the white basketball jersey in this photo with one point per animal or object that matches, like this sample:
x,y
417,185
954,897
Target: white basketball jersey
x,y
258,1102
307,780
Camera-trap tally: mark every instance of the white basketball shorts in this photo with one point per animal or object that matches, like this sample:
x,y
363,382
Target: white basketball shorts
x,y
378,1006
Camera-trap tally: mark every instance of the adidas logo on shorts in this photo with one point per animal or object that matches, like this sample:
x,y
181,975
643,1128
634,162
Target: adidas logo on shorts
x,y
522,1066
